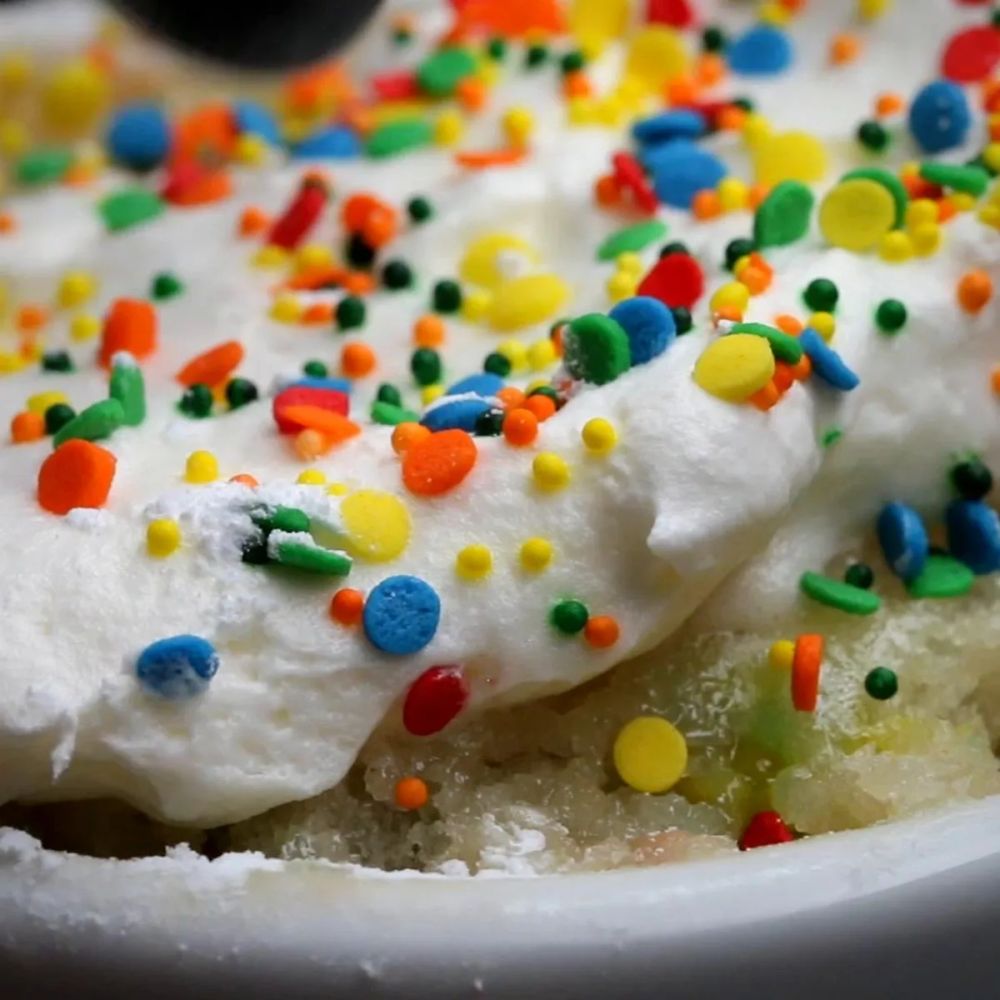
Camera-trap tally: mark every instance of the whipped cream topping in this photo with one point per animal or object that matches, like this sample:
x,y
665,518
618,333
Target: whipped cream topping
x,y
703,507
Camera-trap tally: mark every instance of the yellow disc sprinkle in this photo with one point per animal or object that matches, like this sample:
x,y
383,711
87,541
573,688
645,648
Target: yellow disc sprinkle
x,y
790,156
735,367
650,754
656,54
781,653
482,262
599,435
927,239
311,477
163,536
377,525
856,214
338,489
474,562
74,96
550,472
526,301
201,467
536,554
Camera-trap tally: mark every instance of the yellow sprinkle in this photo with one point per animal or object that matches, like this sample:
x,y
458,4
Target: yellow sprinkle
x,y
781,653
927,239
541,354
756,128
476,304
525,301
75,288
270,258
75,95
312,256
536,554
518,124
732,194
377,525
895,247
448,128
655,55
16,71
856,214
732,295
515,352
871,9
201,467
250,150
311,477
599,436
10,362
474,562
774,13
84,327
921,211
823,323
650,754
582,111
163,536
630,263
429,393
991,157
790,156
735,367
482,262
990,215
621,285
338,489
911,168
14,137
962,200
286,309
41,401
550,472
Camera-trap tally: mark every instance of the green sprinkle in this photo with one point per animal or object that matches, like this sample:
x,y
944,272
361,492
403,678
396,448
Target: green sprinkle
x,y
821,295
399,137
569,617
309,558
391,414
783,216
315,369
350,312
631,238
873,136
889,181
440,73
129,207
197,400
840,595
890,316
57,416
388,393
281,519
831,436
128,386
97,421
783,347
43,166
166,286
425,364
596,349
881,683
971,180
942,576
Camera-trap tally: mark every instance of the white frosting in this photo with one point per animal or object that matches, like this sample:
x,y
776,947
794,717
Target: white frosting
x,y
695,488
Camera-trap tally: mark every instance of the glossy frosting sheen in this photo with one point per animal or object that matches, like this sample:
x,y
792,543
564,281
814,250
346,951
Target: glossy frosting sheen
x,y
704,506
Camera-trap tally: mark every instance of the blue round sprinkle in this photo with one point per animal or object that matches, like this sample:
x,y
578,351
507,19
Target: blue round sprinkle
x,y
648,324
903,538
338,142
326,382
455,413
178,667
761,51
139,136
482,384
974,535
827,363
255,119
680,170
683,123
939,116
401,615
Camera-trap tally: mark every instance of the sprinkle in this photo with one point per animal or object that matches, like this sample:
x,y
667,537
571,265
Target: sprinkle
x,y
842,596
631,239
77,474
599,436
520,427
240,392
939,116
347,606
601,631
827,364
972,180
975,289
525,301
550,472
676,280
856,214
439,462
462,413
536,554
596,349
806,663
407,434
299,551
131,326
138,136
569,617
75,288
335,427
288,405
84,327
844,48
859,574
761,51
735,367
163,537
301,214
201,467
648,324
97,421
781,654
650,754
311,477
129,207
892,184
393,138
377,525
971,54
474,562
27,426
890,316
881,683
903,539
357,360
411,793
43,165
177,668
974,535
784,347
434,699
765,829
211,367
681,169
942,577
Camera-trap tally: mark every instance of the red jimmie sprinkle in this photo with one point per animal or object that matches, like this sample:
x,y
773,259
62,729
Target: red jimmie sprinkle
x,y
395,85
676,280
676,13
630,176
294,223
765,829
434,699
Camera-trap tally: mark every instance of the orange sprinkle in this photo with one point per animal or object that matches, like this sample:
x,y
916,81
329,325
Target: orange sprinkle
x,y
706,205
78,175
212,366
788,324
756,193
357,360
607,191
331,424
802,368
379,226
7,222
710,69
411,793
358,282
428,331
209,187
355,211
318,313
844,48
407,434
253,220
27,426
765,398
784,377
206,134
245,479
130,325
731,313
316,277
309,444
576,85
520,427
806,663
471,93
31,317
946,210
481,159
510,396
995,380
756,279
731,119
888,104
541,406
511,18
681,90
974,291
439,462
601,631
77,474
347,605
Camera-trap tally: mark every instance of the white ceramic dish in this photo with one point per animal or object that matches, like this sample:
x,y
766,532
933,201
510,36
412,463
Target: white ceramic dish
x,y
904,910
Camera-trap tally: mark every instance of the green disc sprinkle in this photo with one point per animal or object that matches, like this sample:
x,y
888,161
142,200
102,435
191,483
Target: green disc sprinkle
x,y
43,166
783,347
972,180
129,207
596,349
783,216
631,239
942,576
311,558
128,386
97,421
839,595
398,137
282,519
390,414
889,181
439,74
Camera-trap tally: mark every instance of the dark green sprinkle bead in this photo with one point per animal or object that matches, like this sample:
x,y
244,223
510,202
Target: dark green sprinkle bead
x,y
447,296
572,62
489,423
166,286
400,36
350,312
497,364
239,392
546,390
675,247
315,369
873,136
881,683
972,479
397,274
569,617
358,253
388,393
821,295
682,319
419,209
713,38
57,361
995,18
535,56
496,48
735,249
197,401
890,315
426,366
745,103
255,549
859,574
57,416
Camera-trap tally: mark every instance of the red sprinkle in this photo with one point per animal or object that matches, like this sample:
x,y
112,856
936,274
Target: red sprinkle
x,y
434,699
676,279
396,85
294,223
306,395
676,13
972,54
765,829
630,176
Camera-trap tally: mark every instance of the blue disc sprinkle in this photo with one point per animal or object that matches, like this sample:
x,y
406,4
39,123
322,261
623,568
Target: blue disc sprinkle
x,y
482,384
455,413
827,363
904,541
648,324
401,615
974,535
683,123
254,119
139,136
178,667
761,51
939,116
338,142
680,170
325,382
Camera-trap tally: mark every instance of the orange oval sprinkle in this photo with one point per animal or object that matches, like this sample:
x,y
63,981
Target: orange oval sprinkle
x,y
318,313
974,290
756,193
844,48
888,104
471,93
601,631
7,222
472,160
806,663
577,85
31,317
802,368
253,220
411,793
310,444
245,479
607,191
428,331
27,426
130,325
356,209
357,360
706,205
407,434
765,398
541,406
357,282
510,396
379,226
332,425
207,133
784,376
682,90
439,462
347,605
520,427
710,69
77,474
212,366
788,324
